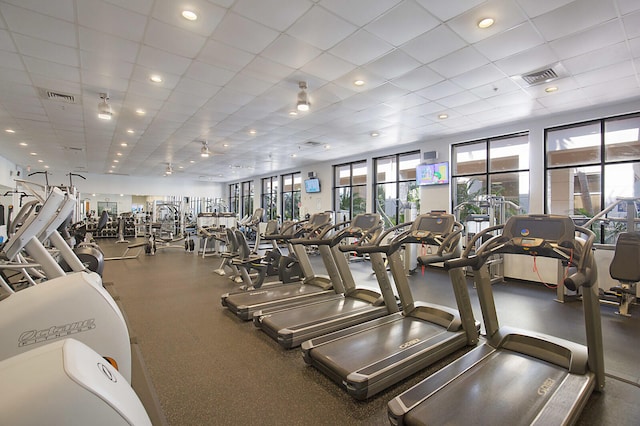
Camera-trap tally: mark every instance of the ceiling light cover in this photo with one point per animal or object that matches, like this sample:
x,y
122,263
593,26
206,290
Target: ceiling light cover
x,y
104,109
303,99
189,15
486,23
204,151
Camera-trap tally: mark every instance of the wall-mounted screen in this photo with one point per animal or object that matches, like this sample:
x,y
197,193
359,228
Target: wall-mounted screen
x,y
432,174
312,185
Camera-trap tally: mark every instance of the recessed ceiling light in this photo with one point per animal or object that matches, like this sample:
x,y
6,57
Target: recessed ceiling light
x,y
113,167
46,167
155,78
124,144
122,195
327,146
130,131
10,131
40,161
443,116
110,171
140,111
33,153
359,82
293,155
116,161
192,161
226,145
374,134
252,132
181,167
551,89
485,23
189,15
23,144
293,112
119,154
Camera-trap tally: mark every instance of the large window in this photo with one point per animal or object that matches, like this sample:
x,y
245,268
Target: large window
x,y
248,190
269,201
291,193
589,166
397,195
490,177
349,189
234,198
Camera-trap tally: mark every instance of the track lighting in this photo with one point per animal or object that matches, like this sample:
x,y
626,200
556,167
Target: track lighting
x,y
104,109
303,100
204,151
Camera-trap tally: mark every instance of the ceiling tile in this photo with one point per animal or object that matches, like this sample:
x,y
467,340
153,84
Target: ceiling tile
x,y
248,84
585,41
575,16
109,47
393,64
635,47
359,12
13,76
53,70
596,59
627,6
244,34
479,76
328,67
418,78
45,50
458,99
103,83
505,13
440,41
604,74
439,90
111,19
632,25
95,62
173,39
5,42
458,62
277,14
535,8
446,10
510,42
61,9
527,61
402,23
321,28
160,61
495,88
290,51
209,74
170,12
140,6
267,69
39,26
216,53
361,48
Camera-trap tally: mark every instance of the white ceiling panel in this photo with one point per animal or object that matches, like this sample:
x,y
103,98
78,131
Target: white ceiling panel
x,y
23,21
575,16
238,66
404,22
434,44
110,19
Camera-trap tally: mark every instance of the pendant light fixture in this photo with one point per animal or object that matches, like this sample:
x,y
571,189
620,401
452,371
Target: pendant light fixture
x,y
104,109
204,151
303,99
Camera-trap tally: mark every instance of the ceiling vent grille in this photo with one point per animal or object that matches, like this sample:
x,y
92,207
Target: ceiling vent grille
x,y
57,96
542,76
312,143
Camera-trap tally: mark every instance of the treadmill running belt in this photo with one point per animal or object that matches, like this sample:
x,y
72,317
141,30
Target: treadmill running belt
x,y
509,389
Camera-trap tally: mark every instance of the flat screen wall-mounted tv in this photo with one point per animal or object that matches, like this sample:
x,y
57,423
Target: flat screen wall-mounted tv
x,y
432,174
312,185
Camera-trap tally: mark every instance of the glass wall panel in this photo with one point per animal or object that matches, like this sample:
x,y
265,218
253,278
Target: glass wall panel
x,y
574,145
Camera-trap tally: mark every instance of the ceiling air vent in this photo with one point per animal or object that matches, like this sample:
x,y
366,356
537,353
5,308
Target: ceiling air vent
x,y
541,76
312,143
57,96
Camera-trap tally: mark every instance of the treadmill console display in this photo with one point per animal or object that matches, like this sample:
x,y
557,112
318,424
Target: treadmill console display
x,y
552,229
365,221
318,219
438,225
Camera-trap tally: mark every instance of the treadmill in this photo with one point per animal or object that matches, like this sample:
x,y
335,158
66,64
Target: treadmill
x,y
367,358
517,376
290,327
245,303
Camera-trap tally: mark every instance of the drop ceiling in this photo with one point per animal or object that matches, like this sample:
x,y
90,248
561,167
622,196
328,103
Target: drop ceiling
x,y
230,78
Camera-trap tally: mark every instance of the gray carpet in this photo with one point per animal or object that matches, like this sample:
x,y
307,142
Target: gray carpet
x,y
210,368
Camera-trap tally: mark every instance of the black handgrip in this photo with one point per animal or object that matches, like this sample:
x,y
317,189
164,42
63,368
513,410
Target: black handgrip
x,y
575,281
461,262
